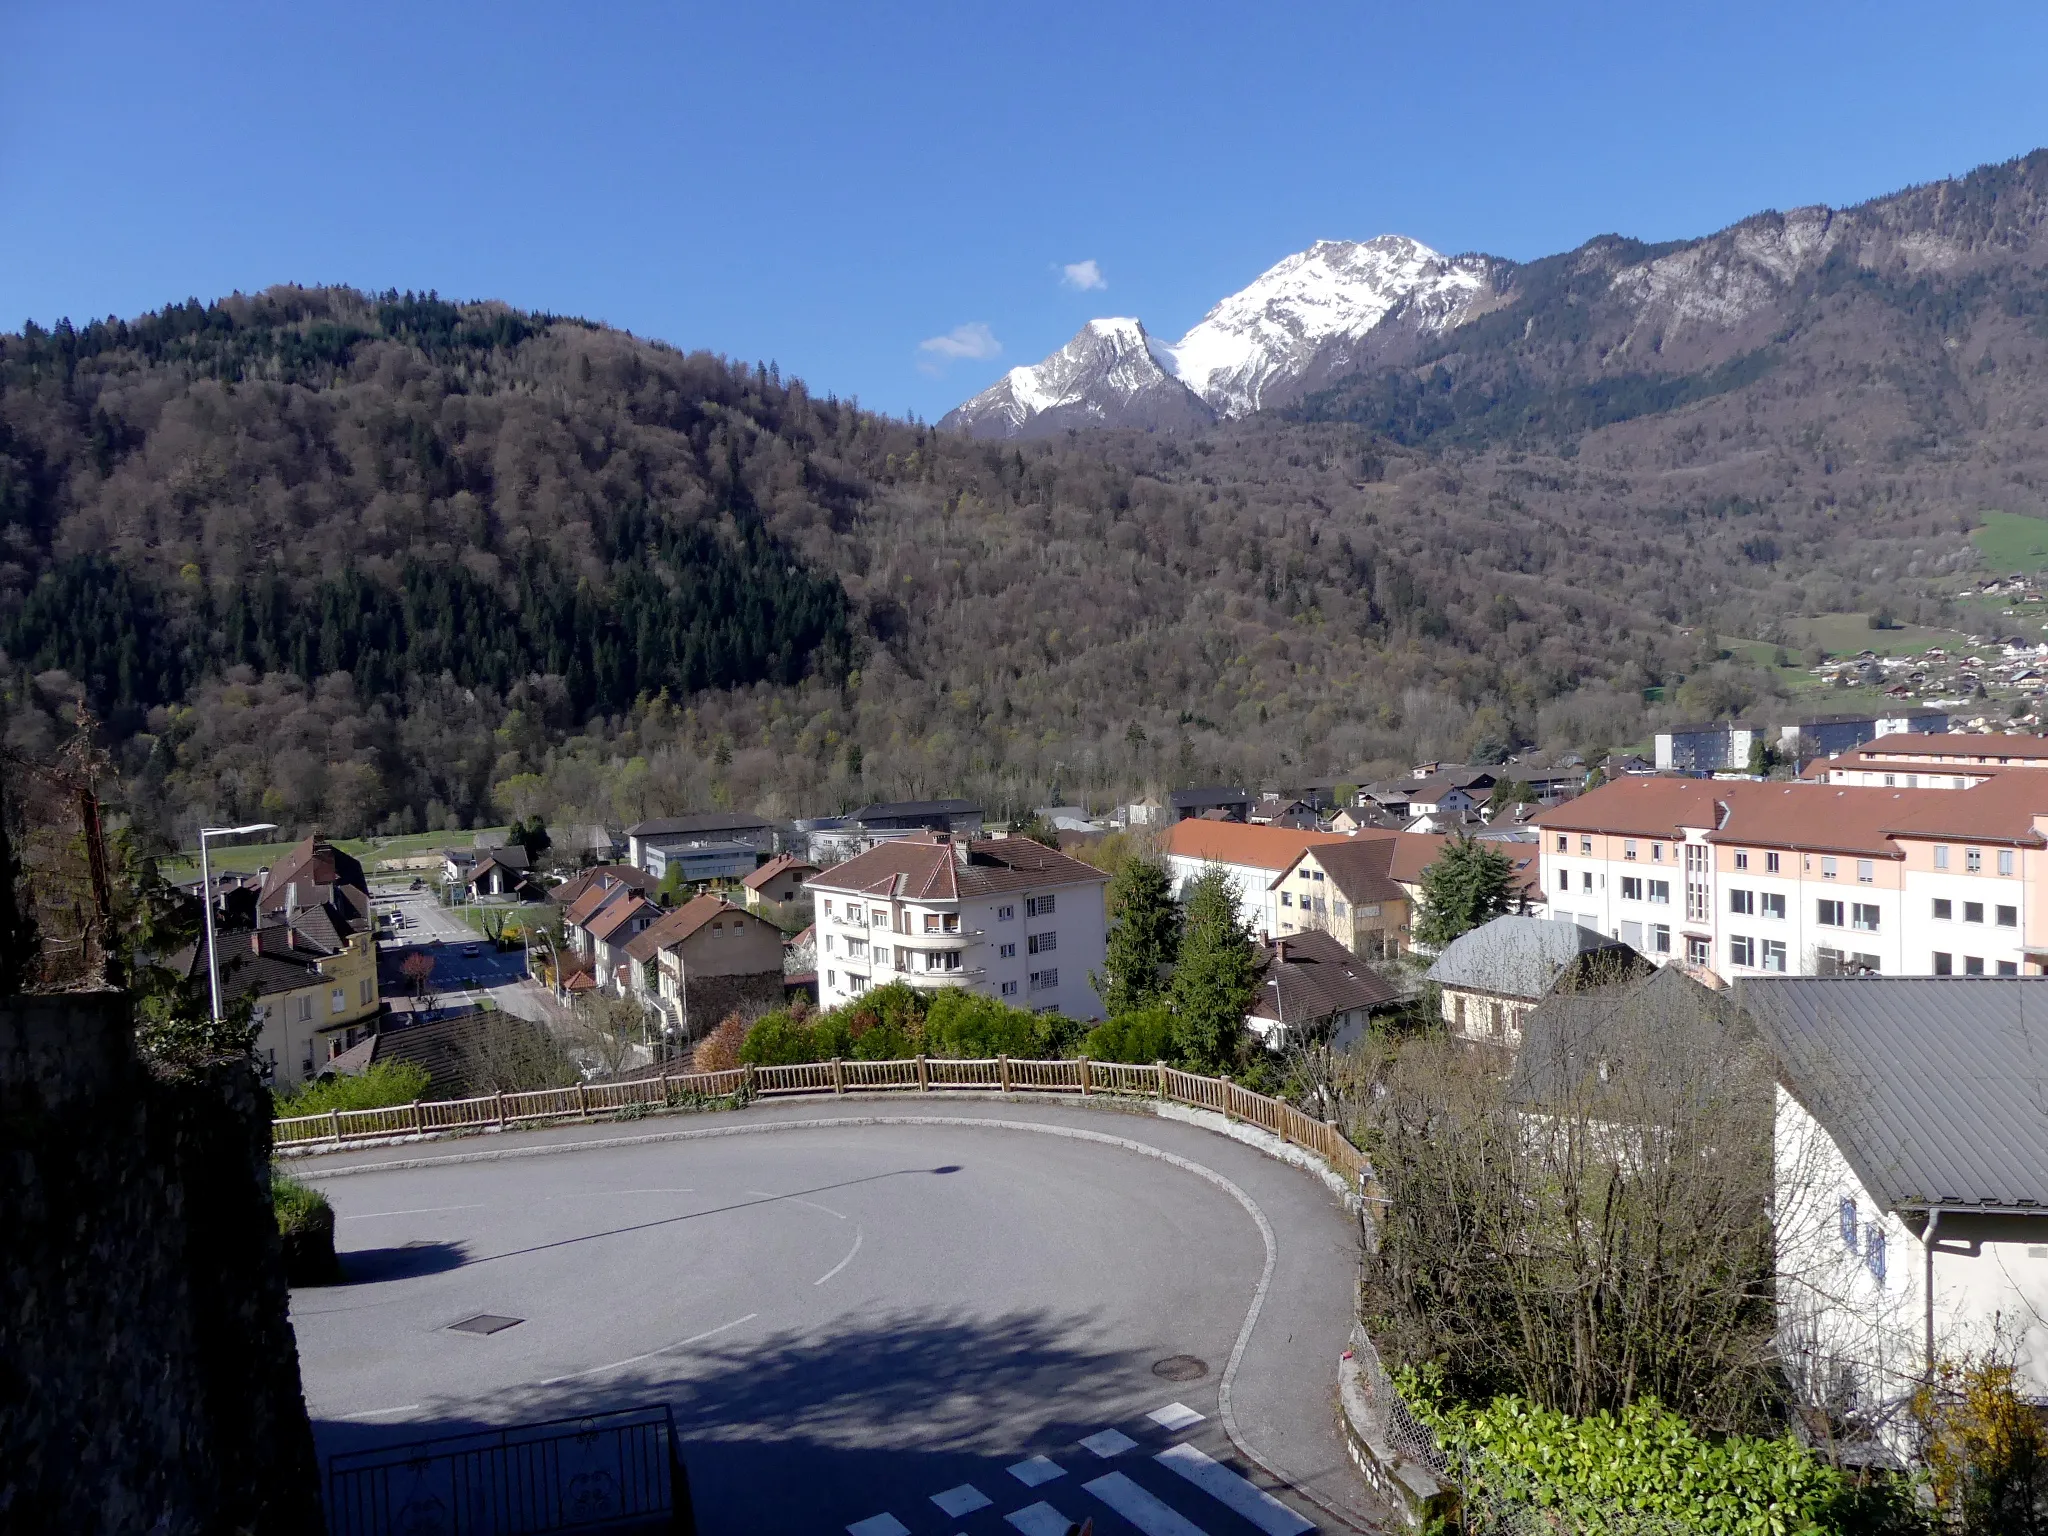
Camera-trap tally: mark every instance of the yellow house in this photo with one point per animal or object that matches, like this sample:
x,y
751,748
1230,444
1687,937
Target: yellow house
x,y
310,1006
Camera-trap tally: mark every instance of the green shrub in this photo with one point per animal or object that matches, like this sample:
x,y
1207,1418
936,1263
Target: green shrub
x,y
777,1040
383,1084
299,1206
1144,1037
1647,1461
971,1027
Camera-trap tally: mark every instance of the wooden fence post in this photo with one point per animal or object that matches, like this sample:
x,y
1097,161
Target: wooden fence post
x,y
333,1122
1003,1071
1084,1077
582,1104
417,1126
1160,1068
838,1075
500,1097
924,1074
1229,1089
748,1079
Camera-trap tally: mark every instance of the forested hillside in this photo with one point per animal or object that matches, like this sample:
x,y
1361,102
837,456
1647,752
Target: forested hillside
x,y
389,562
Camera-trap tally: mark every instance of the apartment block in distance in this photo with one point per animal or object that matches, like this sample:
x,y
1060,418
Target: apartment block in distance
x,y
1810,879
1003,916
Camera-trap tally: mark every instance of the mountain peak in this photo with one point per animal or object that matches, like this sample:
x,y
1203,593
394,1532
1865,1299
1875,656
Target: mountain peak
x,y
1113,373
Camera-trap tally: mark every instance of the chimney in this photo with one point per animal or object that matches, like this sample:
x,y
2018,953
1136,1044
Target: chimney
x,y
960,852
291,903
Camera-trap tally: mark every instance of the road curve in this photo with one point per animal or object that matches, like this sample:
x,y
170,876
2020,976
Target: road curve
x,y
882,1295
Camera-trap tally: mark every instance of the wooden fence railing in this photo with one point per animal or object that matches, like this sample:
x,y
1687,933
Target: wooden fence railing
x,y
921,1074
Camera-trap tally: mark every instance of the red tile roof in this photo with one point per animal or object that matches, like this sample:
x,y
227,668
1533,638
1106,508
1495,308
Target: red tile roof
x,y
1230,842
671,928
616,916
922,868
782,863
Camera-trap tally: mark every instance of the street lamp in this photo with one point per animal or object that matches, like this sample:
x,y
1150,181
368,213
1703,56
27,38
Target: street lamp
x,y
206,885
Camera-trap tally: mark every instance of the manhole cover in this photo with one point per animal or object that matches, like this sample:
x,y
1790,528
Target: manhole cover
x,y
490,1322
1180,1368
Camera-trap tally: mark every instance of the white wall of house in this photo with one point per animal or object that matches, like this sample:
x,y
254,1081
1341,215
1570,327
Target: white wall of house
x,y
984,944
1852,1288
1252,883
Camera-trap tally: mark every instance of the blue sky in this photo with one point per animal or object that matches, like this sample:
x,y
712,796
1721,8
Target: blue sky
x,y
831,185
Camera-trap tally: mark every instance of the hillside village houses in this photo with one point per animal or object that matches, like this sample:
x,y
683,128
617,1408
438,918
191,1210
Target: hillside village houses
x,y
1003,916
701,961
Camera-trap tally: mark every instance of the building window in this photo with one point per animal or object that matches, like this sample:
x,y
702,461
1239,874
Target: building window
x,y
367,987
1773,904
943,960
1044,981
1941,855
1628,848
1042,943
831,978
856,949
1867,965
828,906
1873,1251
1585,845
1631,888
1774,954
1009,989
1864,916
2008,967
1660,892
1866,871
1973,965
2008,917
1742,951
1563,843
1586,880
1656,853
1973,860
305,1010
1742,858
1660,938
1849,1223
1944,964
1770,863
1973,911
1743,902
1698,951
1944,909
931,922
1007,952
1004,914
2005,861
1337,907
904,957
1286,899
878,917
1038,906
1827,867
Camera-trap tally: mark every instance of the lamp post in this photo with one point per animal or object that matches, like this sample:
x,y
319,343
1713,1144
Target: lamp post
x,y
206,884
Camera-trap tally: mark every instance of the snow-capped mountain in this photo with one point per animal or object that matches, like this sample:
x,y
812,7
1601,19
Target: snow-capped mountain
x,y
1301,323
1112,374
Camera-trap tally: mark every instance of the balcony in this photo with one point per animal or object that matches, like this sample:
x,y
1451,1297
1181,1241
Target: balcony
x,y
966,976
925,943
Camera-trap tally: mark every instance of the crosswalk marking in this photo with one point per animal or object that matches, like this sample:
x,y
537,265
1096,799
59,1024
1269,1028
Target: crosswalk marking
x,y
1225,1486
1108,1442
962,1500
1174,1416
1142,1509
1040,1519
1034,1470
878,1525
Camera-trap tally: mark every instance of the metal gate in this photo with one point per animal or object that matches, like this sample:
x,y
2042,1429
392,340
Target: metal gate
x,y
615,1471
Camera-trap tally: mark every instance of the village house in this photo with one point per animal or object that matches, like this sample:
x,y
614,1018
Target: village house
x,y
1911,1208
1003,916
1230,804
780,880
704,960
1490,978
1252,858
1311,989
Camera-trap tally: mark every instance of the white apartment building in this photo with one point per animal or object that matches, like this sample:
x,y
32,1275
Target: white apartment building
x,y
1003,916
1930,761
1809,879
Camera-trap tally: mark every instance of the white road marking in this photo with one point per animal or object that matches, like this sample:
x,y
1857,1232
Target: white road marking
x,y
797,1200
1175,1416
603,1194
378,1413
1144,1510
1108,1442
1040,1519
695,1338
962,1500
1226,1487
424,1210
843,1262
878,1525
1034,1470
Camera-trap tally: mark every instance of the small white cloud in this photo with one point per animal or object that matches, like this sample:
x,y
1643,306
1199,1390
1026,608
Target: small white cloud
x,y
973,340
1082,275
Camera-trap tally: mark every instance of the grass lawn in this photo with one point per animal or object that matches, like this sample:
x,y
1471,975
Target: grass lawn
x,y
1846,634
246,857
2010,542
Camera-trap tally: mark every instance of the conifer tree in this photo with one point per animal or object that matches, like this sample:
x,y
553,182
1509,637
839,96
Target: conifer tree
x,y
1470,883
1144,941
1215,978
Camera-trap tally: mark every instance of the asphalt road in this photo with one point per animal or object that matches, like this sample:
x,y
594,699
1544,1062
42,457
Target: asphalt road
x,y
852,1319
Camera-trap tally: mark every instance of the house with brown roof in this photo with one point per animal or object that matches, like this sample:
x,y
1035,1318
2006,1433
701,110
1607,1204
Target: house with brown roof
x,y
572,890
1251,857
1004,916
704,960
780,880
1312,989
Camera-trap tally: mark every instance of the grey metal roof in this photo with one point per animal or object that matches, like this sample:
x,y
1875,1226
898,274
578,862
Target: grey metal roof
x,y
1656,1008
1516,956
1933,1087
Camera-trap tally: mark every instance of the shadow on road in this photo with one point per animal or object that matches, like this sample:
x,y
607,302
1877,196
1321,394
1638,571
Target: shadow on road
x,y
364,1266
794,1432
